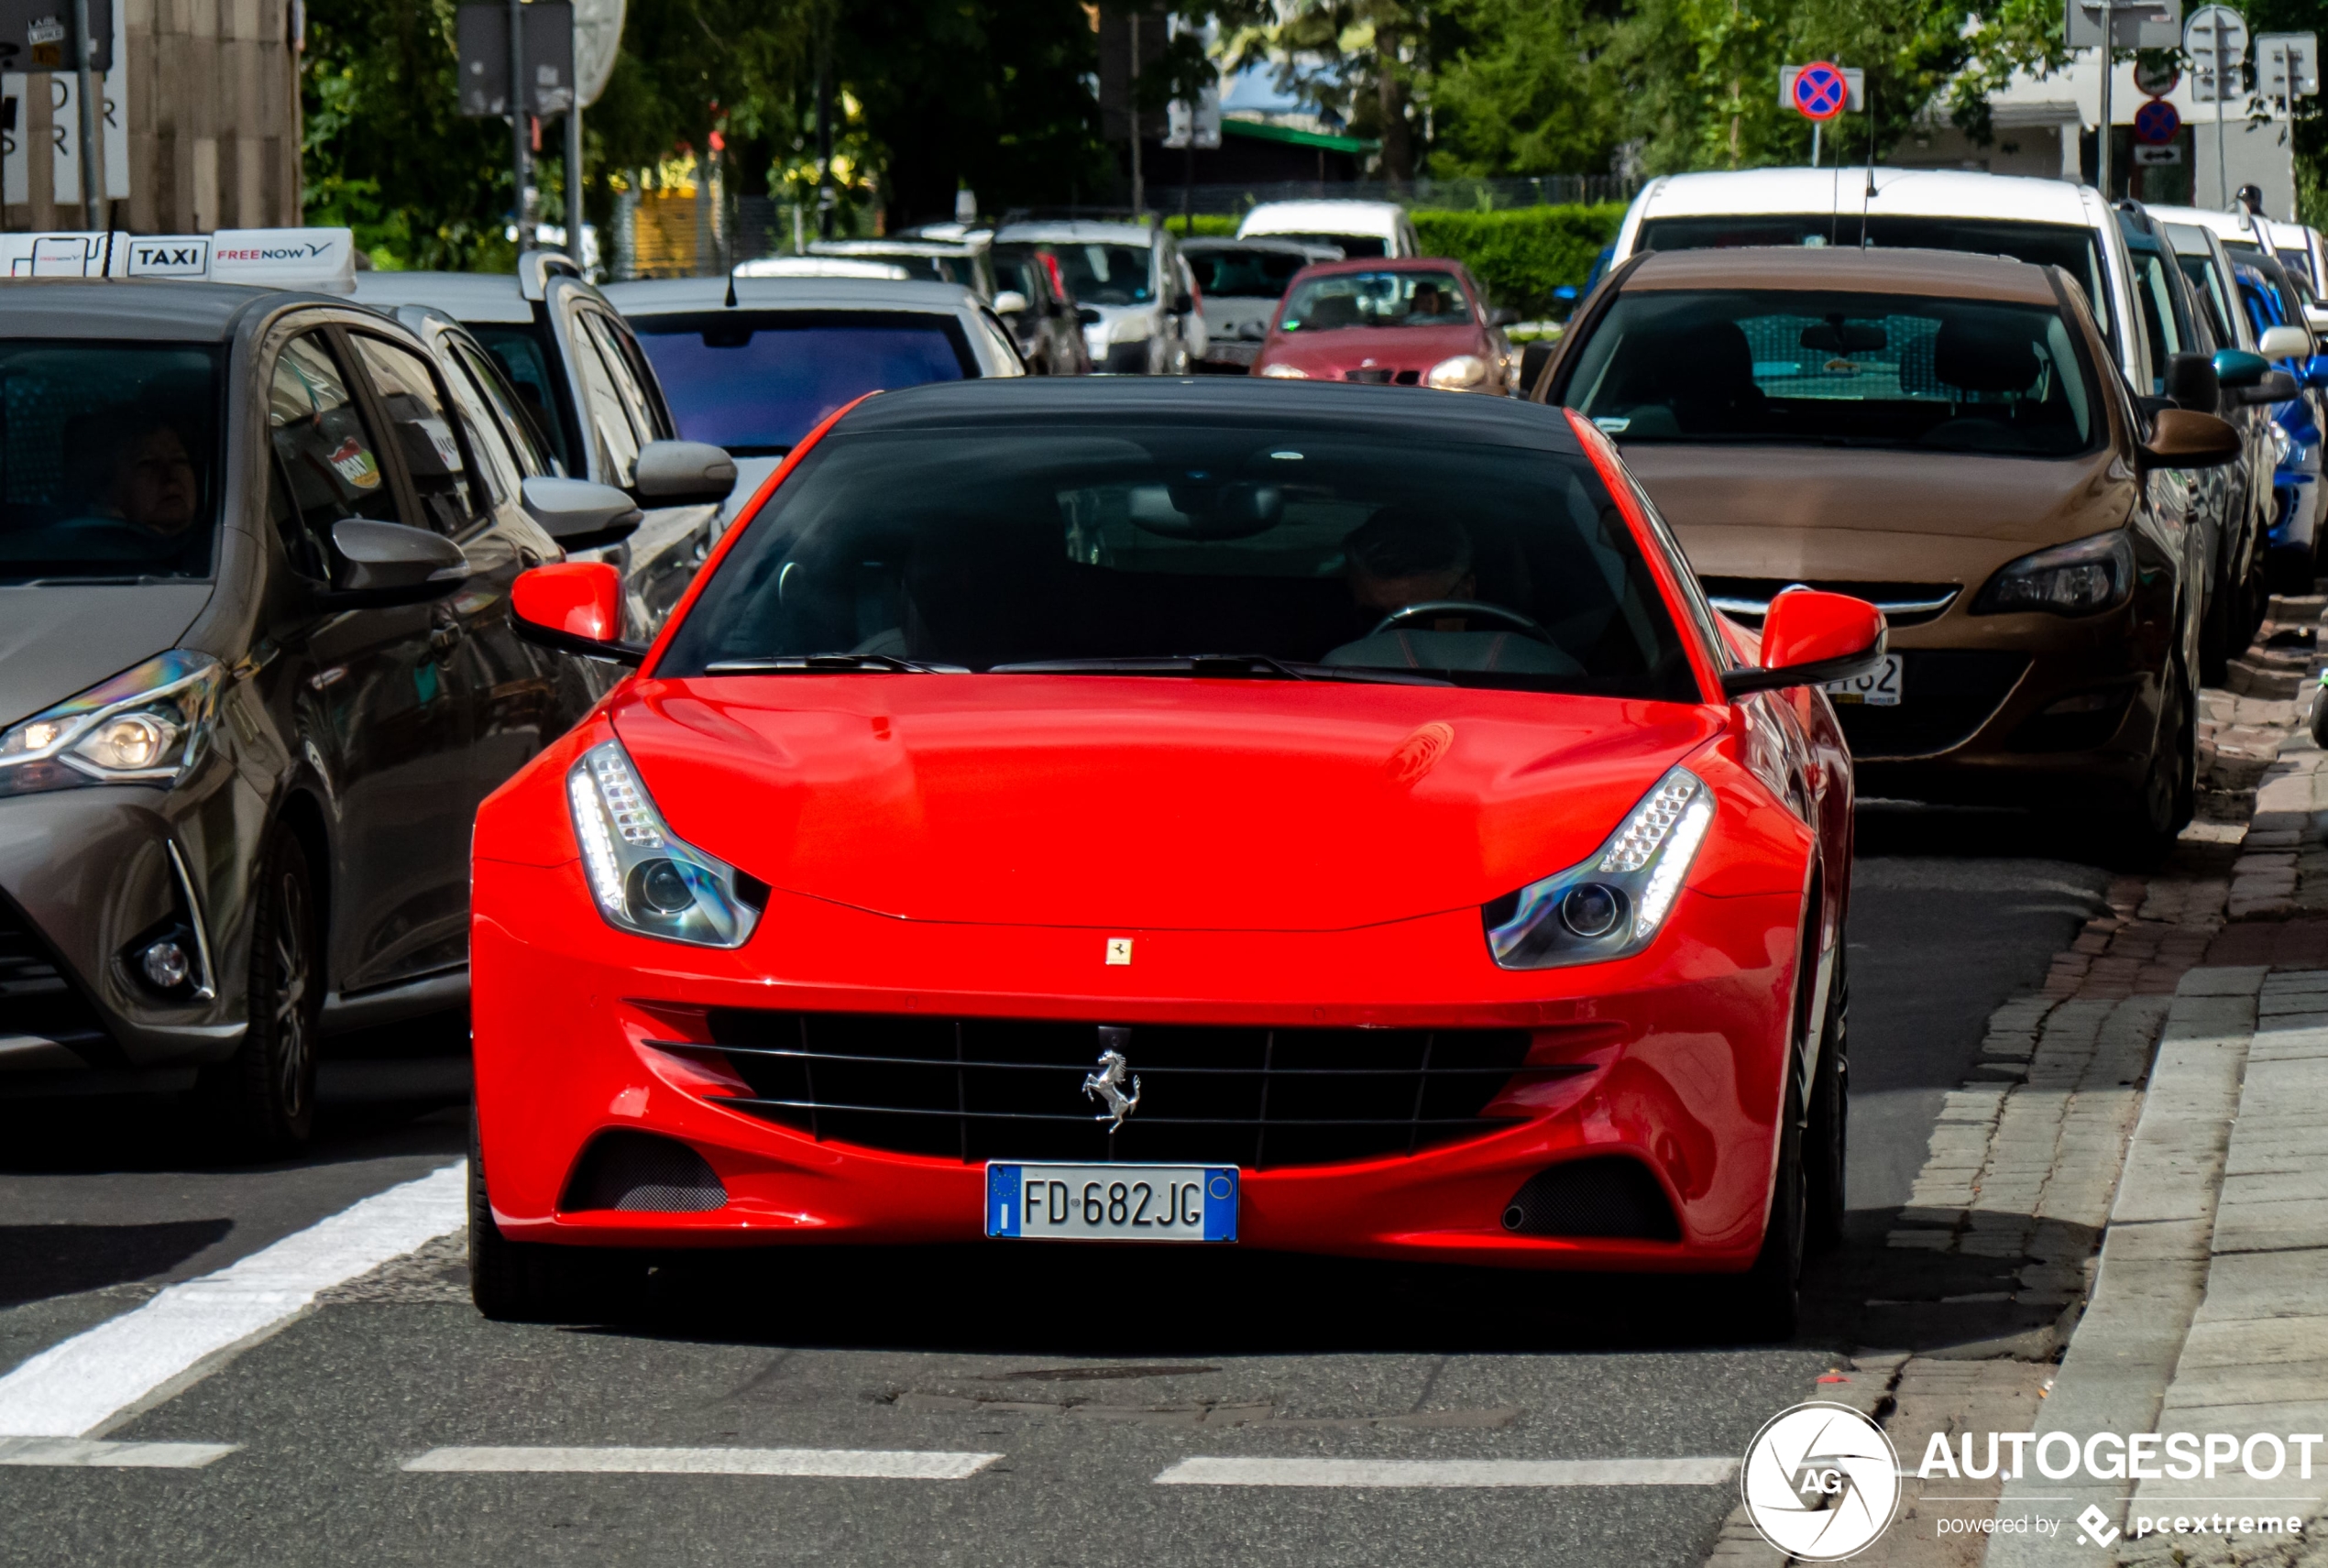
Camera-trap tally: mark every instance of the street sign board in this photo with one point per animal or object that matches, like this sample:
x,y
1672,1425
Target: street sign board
x,y
2133,24
2217,41
36,34
1820,90
1854,79
481,34
2158,81
2157,123
2288,65
2150,157
598,36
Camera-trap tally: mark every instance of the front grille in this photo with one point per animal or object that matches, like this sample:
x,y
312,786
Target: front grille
x,y
1945,696
976,1089
35,996
1904,604
1383,377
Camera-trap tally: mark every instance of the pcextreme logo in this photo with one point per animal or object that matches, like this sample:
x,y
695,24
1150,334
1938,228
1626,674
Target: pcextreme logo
x,y
1820,1482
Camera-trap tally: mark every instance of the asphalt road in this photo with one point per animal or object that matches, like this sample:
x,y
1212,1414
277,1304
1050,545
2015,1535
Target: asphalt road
x,y
1085,1374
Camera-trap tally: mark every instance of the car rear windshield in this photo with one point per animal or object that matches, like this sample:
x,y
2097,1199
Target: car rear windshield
x,y
1836,368
1353,247
108,461
2072,248
756,381
1387,298
1335,552
1245,274
1104,274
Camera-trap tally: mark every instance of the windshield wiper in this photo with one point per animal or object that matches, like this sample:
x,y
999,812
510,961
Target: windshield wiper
x,y
825,663
1214,666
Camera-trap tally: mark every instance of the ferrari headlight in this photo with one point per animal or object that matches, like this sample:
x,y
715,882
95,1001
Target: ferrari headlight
x,y
643,877
2082,577
1285,373
1464,373
1611,905
150,725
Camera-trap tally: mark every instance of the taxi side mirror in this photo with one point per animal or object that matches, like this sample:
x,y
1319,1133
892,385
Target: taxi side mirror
x,y
1810,638
683,473
574,607
578,514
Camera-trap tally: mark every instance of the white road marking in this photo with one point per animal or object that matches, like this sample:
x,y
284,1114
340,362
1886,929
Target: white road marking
x,y
79,1452
1209,1472
876,1463
134,1361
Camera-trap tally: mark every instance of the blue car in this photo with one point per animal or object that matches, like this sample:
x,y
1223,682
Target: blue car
x,y
2293,541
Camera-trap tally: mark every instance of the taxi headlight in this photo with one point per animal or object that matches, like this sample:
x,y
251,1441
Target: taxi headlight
x,y
1613,903
1464,373
645,878
1285,372
148,725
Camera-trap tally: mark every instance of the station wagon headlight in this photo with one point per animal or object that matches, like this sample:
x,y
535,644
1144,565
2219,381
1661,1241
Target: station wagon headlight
x,y
1464,373
150,725
2084,576
1613,903
643,877
1281,372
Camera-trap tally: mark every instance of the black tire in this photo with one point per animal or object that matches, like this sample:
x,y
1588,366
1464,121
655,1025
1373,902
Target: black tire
x,y
2146,820
263,1097
1766,1300
527,1282
1826,1140
2289,571
2219,630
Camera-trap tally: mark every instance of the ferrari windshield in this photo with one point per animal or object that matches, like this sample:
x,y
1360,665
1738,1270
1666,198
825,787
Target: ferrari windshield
x,y
1827,368
1376,299
1310,552
108,461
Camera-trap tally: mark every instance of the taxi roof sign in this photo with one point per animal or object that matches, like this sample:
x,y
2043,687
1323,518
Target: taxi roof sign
x,y
321,259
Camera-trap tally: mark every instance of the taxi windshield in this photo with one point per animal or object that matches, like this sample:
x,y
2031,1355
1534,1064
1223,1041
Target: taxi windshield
x,y
108,461
1808,367
1376,299
1326,552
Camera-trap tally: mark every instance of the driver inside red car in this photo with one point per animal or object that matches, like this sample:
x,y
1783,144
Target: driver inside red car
x,y
1412,572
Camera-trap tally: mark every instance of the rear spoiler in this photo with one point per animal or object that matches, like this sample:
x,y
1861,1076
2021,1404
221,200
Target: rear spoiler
x,y
275,258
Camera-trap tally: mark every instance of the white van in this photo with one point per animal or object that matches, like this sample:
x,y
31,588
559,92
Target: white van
x,y
1357,228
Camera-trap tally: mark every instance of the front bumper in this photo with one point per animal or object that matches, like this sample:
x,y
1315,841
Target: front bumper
x,y
1677,1058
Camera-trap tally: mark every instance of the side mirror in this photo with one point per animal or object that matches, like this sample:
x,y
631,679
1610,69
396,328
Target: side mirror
x,y
2285,343
1183,303
1533,357
683,473
1009,302
575,607
2276,387
580,515
2237,369
393,563
2182,439
2316,371
1810,638
1502,315
2190,382
1089,315
1566,292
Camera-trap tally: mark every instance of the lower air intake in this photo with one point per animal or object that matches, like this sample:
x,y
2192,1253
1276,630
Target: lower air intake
x,y
1609,1196
643,1174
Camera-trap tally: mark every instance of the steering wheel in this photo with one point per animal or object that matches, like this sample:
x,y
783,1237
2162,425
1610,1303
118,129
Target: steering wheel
x,y
1510,618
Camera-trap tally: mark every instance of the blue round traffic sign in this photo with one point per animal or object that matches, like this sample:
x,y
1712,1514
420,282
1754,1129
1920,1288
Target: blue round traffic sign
x,y
2155,122
1820,90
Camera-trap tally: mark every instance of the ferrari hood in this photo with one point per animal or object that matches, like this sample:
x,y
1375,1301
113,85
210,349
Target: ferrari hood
x,y
1836,514
1143,803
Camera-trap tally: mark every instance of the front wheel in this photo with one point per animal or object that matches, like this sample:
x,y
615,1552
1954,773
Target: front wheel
x,y
528,1282
1766,1300
263,1097
1826,1139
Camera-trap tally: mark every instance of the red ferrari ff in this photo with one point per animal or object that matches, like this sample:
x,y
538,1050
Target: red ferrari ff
x,y
1294,817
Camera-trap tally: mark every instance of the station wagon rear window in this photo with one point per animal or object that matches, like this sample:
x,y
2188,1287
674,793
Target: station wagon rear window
x,y
1820,367
108,461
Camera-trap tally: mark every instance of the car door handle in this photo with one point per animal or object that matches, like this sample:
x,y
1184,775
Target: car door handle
x,y
445,636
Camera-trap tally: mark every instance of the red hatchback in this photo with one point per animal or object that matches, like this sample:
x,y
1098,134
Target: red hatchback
x,y
1420,322
1291,818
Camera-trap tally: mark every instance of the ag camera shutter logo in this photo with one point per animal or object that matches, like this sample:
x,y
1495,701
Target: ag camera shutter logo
x,y
1820,1482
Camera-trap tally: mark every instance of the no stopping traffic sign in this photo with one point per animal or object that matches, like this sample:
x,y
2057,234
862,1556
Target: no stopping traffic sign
x,y
2155,122
1820,90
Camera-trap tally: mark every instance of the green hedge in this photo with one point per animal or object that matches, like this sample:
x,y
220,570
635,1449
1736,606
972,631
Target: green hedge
x,y
1519,254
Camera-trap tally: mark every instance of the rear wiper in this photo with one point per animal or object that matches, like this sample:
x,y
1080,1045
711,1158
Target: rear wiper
x,y
821,663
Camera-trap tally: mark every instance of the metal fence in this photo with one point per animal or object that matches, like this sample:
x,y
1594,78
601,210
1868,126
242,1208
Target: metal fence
x,y
669,234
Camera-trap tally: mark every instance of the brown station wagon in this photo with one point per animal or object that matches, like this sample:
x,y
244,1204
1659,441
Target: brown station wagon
x,y
1943,434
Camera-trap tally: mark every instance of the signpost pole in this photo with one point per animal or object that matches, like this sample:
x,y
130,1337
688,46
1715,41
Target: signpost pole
x,y
574,180
2101,151
1816,126
518,99
93,176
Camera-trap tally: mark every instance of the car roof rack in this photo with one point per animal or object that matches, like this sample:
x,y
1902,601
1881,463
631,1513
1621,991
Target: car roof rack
x,y
321,259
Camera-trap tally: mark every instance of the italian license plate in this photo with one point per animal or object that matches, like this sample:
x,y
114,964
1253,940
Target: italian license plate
x,y
1879,688
1112,1202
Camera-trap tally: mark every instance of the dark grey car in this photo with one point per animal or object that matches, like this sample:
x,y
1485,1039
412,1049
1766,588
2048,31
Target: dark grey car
x,y
257,671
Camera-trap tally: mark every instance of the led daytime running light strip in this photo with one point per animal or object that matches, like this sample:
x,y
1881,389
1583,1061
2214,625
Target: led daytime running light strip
x,y
598,843
1651,820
